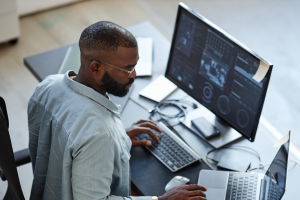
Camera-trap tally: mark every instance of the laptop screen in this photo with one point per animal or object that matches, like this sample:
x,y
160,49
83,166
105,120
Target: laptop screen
x,y
279,165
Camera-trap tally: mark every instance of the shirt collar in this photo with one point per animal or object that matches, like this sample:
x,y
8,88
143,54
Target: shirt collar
x,y
90,93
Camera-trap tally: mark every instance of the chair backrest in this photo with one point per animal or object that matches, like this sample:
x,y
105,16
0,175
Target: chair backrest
x,y
4,111
7,160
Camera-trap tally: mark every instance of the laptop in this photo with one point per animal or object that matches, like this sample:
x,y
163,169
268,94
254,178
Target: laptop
x,y
225,185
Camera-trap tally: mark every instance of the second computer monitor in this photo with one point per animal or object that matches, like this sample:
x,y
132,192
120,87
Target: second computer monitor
x,y
217,71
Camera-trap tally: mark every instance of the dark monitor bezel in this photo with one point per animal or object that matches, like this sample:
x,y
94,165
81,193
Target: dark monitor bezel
x,y
235,41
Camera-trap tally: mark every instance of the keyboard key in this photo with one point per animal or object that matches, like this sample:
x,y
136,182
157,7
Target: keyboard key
x,y
170,163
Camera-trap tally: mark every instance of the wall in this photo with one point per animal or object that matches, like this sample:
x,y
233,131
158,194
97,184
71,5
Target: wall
x,y
26,7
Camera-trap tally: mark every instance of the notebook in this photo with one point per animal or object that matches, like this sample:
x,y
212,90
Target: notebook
x,y
158,89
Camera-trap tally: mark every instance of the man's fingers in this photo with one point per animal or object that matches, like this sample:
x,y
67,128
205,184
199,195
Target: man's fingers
x,y
195,187
151,134
141,143
150,125
196,193
146,120
142,130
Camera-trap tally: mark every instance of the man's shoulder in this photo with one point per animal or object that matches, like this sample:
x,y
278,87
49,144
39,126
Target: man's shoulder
x,y
51,88
48,83
51,81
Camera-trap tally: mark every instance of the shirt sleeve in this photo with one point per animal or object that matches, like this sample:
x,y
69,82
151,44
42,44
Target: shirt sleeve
x,y
34,122
92,169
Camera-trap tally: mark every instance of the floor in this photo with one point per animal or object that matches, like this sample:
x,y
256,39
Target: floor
x,y
269,27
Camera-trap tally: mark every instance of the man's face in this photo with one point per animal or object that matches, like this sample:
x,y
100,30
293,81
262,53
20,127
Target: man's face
x,y
116,81
110,85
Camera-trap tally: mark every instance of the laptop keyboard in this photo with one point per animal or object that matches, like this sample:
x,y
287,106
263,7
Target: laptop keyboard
x,y
170,150
241,186
275,192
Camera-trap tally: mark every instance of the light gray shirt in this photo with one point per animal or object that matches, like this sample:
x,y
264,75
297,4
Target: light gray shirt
x,y
78,146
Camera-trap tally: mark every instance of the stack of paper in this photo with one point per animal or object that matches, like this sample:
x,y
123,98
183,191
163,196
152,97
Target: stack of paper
x,y
158,89
144,65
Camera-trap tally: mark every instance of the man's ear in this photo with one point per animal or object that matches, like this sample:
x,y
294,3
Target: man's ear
x,y
96,67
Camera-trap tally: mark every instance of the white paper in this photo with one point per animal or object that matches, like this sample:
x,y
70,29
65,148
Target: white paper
x,y
282,140
158,89
144,65
261,71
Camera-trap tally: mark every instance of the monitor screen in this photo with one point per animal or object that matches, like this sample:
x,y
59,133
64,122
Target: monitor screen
x,y
217,71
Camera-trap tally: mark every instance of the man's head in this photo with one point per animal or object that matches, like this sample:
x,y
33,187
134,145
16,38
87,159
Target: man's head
x,y
104,44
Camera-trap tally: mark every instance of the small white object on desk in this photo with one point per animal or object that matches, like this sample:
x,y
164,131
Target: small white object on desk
x,y
176,181
144,65
158,89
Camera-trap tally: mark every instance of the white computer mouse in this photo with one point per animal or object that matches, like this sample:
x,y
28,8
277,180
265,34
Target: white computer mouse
x,y
176,181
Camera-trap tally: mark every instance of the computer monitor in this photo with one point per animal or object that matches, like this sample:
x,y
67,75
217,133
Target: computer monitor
x,y
216,70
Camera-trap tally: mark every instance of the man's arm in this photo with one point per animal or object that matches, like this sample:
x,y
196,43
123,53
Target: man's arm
x,y
92,169
34,122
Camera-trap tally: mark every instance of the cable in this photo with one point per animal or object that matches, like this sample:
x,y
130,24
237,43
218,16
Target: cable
x,y
263,166
181,115
296,163
259,167
233,147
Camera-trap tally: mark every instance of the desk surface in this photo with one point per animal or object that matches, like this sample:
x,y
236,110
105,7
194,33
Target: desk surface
x,y
150,179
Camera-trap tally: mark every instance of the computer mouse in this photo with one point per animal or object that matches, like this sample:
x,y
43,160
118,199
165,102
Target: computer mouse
x,y
176,181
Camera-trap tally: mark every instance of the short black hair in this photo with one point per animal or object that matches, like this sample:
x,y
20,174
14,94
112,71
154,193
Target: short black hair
x,y
106,36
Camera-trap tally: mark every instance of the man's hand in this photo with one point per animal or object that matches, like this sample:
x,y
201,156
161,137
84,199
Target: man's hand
x,y
142,126
185,192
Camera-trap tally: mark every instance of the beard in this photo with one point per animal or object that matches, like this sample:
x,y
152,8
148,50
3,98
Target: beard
x,y
113,87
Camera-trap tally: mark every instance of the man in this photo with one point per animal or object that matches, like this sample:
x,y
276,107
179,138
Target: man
x,y
78,145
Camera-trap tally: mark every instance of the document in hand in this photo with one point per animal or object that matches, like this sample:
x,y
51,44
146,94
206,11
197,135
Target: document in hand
x,y
144,65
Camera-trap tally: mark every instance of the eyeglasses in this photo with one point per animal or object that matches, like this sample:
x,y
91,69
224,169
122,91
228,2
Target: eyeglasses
x,y
129,72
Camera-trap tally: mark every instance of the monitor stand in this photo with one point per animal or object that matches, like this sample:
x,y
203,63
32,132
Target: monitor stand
x,y
221,121
228,134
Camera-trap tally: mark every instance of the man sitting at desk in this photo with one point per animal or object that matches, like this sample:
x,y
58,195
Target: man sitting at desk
x,y
78,146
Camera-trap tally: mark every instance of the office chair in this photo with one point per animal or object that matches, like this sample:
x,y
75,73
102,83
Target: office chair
x,y
9,160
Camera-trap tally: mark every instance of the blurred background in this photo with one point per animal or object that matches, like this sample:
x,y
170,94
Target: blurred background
x,y
269,27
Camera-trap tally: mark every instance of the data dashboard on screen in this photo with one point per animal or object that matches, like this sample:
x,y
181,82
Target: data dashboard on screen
x,y
217,72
